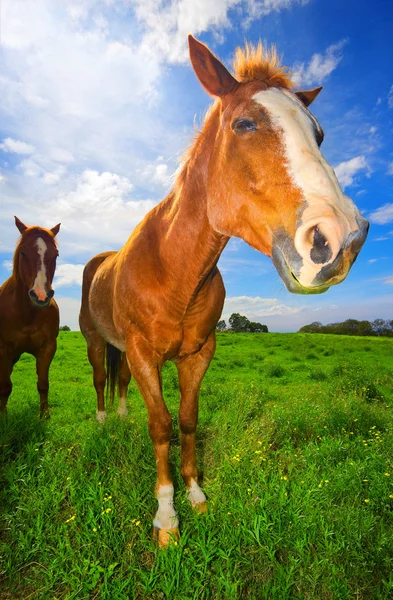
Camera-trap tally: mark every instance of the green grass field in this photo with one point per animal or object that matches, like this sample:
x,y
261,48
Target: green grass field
x,y
295,448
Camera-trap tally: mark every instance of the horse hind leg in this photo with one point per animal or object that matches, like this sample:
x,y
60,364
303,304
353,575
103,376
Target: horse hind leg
x,y
124,380
96,355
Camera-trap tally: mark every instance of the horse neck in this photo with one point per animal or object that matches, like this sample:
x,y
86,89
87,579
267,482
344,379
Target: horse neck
x,y
191,246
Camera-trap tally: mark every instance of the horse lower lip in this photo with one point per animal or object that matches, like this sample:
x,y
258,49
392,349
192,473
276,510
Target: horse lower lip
x,y
41,303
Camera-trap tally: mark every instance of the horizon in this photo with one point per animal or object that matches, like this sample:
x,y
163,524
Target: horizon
x,y
99,104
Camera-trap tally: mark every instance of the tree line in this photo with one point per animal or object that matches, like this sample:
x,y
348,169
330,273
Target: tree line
x,y
379,327
241,324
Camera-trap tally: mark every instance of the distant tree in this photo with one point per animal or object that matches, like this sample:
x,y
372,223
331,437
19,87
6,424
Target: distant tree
x,y
379,327
314,327
64,328
365,328
221,325
238,322
257,327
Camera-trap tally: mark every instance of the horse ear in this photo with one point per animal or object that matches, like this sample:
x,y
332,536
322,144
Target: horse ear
x,y
212,74
21,226
55,229
308,96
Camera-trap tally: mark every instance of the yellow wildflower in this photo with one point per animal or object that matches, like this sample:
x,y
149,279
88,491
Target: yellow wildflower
x,y
71,519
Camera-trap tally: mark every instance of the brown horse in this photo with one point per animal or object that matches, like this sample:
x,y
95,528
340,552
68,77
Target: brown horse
x,y
29,316
255,171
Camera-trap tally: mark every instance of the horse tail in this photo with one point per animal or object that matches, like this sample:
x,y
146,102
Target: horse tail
x,y
113,360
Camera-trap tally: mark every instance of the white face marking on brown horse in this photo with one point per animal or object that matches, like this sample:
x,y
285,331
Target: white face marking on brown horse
x,y
326,206
41,278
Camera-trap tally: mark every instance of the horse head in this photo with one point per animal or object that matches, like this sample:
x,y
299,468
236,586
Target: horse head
x,y
268,181
35,261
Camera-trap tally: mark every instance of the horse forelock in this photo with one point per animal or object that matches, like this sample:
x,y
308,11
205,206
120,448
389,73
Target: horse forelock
x,y
257,63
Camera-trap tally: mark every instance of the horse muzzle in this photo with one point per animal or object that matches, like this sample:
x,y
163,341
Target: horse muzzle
x,y
41,303
291,265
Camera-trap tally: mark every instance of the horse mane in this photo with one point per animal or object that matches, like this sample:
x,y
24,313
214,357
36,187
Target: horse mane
x,y
255,63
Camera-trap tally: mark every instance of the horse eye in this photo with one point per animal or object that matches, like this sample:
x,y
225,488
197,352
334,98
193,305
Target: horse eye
x,y
241,126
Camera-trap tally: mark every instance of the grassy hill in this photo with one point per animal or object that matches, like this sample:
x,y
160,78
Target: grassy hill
x,y
295,446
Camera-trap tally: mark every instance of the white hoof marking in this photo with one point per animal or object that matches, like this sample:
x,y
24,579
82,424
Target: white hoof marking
x,y
101,416
195,494
166,517
122,411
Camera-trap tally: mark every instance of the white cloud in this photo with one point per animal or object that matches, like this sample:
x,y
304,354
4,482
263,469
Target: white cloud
x,y
157,173
97,213
320,65
16,147
51,178
390,169
383,214
347,170
372,260
7,264
258,307
68,274
69,311
388,280
166,25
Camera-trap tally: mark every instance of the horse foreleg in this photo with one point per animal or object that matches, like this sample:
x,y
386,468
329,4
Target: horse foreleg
x,y
5,381
124,380
191,371
145,367
43,361
96,355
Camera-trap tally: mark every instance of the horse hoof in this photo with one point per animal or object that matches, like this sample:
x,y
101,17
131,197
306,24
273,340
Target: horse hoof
x,y
122,412
165,537
101,416
200,507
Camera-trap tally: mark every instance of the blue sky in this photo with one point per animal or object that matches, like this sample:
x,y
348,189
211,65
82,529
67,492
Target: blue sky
x,y
98,104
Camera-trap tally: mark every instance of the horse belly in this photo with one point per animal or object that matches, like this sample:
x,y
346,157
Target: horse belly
x,y
101,312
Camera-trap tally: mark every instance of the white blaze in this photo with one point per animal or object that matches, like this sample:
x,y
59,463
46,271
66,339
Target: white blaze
x,y
327,206
166,517
40,280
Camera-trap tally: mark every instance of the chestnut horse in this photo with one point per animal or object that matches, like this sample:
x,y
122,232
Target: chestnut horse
x,y
29,316
255,171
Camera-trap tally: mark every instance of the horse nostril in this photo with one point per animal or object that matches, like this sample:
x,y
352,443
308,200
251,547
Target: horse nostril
x,y
32,294
51,293
320,252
